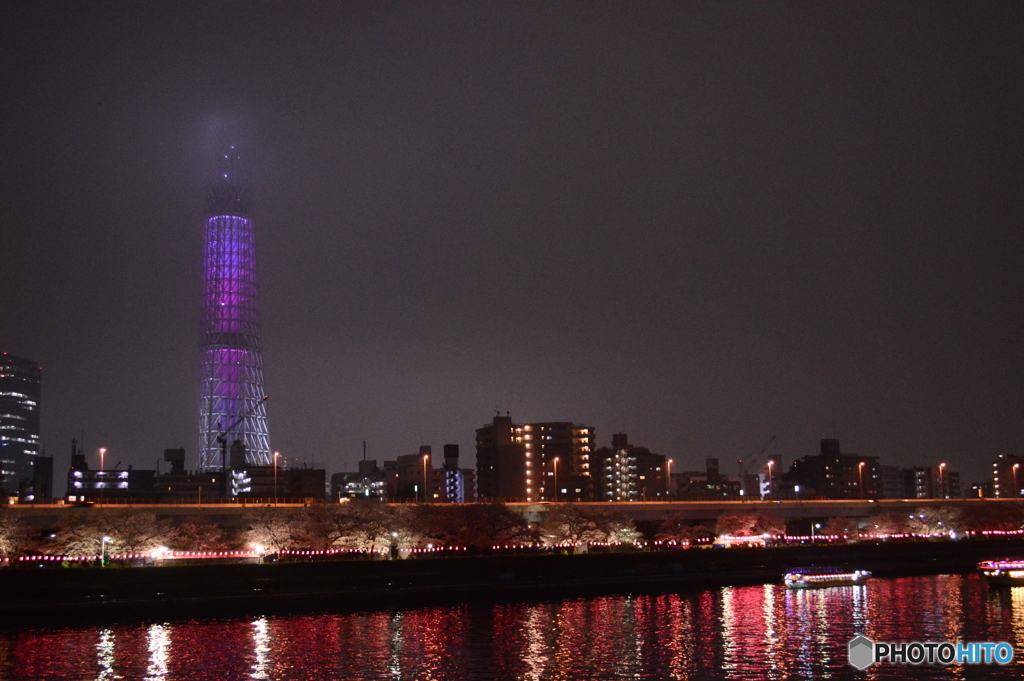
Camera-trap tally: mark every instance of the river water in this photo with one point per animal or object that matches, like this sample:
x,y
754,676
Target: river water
x,y
755,632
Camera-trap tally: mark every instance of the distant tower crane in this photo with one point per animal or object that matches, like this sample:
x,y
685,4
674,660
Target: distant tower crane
x,y
222,439
744,464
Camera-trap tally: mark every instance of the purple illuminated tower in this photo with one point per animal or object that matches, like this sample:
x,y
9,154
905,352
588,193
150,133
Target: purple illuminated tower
x,y
231,376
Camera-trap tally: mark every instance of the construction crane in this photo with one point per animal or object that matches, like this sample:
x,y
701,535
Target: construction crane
x,y
743,465
223,440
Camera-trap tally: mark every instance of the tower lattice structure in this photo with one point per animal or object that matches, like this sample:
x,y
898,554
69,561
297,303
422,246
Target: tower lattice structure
x,y
231,373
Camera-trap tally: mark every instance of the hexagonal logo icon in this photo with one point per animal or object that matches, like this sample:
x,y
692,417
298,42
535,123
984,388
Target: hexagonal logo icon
x,y
862,652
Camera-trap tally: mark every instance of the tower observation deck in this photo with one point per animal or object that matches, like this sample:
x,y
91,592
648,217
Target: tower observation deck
x,y
231,371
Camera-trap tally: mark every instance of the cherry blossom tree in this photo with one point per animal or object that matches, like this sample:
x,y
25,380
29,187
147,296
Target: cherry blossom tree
x,y
128,531
580,526
198,534
269,529
14,534
680,530
750,524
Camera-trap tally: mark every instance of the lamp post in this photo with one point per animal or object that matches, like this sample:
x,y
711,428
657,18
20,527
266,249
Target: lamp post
x,y
276,454
103,551
1016,490
554,462
101,474
426,458
668,479
860,475
942,486
770,464
814,526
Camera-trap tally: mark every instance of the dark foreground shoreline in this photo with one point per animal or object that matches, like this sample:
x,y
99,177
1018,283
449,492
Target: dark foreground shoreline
x,y
68,597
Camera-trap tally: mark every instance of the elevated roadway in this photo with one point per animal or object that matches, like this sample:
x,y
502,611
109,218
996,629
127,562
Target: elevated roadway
x,y
230,514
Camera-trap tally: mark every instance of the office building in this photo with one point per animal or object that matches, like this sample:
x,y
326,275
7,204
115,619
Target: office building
x,y
20,392
836,475
85,484
368,482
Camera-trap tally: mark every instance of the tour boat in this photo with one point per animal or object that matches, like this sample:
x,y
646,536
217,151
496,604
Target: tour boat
x,y
819,577
1003,572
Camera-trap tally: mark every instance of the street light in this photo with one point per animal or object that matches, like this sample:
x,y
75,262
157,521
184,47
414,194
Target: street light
x,y
814,526
668,479
860,474
426,457
276,454
103,451
103,551
770,464
942,486
554,462
1016,489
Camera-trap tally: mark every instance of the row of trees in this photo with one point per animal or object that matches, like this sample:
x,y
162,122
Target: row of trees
x,y
360,525
926,520
374,527
1004,517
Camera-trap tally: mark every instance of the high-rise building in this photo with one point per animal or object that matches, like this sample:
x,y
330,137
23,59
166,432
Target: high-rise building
x,y
534,461
368,482
20,390
459,483
932,482
615,471
894,482
231,378
836,475
1007,476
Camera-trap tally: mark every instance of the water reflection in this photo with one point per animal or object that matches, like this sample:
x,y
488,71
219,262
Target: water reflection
x,y
159,647
105,655
536,657
760,632
260,648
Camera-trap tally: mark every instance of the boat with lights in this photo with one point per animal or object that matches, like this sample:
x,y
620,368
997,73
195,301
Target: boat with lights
x,y
821,577
1006,572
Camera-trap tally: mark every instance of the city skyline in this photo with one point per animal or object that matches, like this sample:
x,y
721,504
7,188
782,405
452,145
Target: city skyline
x,y
698,225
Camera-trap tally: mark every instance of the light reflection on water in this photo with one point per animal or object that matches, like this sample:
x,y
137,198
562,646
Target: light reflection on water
x,y
105,650
159,647
760,632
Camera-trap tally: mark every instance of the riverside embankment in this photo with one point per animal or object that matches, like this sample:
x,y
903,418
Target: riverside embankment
x,y
68,595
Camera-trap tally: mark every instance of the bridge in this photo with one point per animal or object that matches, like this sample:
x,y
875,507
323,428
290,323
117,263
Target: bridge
x,y
230,514
788,509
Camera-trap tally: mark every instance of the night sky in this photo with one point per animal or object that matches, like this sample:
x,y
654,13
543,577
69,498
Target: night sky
x,y
697,223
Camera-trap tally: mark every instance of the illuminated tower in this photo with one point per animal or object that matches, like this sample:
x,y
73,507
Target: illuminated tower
x,y
231,376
